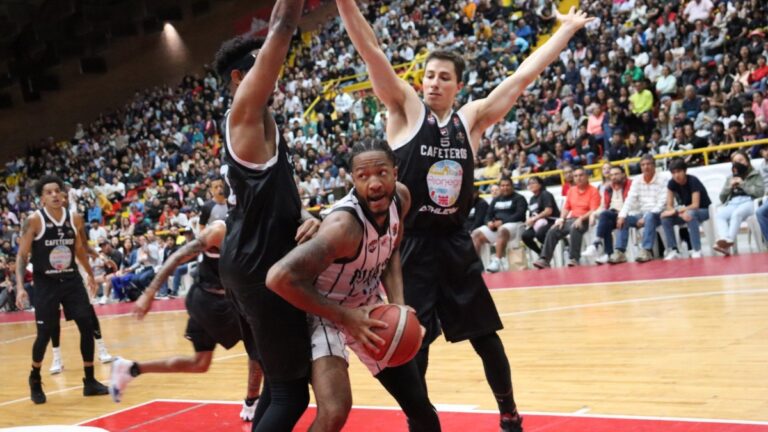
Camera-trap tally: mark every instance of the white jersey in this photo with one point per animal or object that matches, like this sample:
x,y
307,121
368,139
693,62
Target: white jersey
x,y
357,282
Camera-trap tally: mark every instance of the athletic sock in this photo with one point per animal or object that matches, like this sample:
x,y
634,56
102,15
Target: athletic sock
x,y
135,370
88,372
35,373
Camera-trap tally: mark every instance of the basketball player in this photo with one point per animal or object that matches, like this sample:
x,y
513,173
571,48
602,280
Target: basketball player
x,y
435,147
212,320
261,228
57,365
51,235
336,277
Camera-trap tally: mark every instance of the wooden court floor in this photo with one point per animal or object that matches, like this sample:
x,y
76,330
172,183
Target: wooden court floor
x,y
695,347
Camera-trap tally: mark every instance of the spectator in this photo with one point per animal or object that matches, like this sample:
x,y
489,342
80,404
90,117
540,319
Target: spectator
x,y
687,204
614,197
642,208
543,213
503,221
583,199
741,187
96,233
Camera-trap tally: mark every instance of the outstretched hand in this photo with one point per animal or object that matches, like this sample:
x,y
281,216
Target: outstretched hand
x,y
574,19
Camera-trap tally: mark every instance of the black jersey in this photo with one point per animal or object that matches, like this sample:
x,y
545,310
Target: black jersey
x,y
53,250
437,166
261,228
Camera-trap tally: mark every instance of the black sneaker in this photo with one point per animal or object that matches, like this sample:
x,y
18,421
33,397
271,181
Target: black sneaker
x,y
91,387
511,424
36,390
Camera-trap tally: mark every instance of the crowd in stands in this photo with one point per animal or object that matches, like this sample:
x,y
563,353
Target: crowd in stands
x,y
645,77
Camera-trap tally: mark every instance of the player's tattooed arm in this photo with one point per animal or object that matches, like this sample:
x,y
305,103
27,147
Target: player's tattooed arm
x,y
186,253
29,229
292,277
81,245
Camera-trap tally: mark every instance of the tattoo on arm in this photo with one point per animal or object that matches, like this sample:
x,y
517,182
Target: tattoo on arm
x,y
186,253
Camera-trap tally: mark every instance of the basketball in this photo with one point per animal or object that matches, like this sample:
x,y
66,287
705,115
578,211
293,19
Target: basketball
x,y
402,337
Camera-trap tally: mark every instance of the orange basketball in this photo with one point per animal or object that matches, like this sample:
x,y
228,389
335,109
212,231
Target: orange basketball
x,y
402,337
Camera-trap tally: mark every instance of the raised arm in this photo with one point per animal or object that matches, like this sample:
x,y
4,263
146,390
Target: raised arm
x,y
482,113
209,238
30,227
400,98
293,276
249,121
392,278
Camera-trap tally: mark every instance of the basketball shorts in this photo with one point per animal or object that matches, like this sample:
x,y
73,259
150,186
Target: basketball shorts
x,y
279,331
69,293
442,280
212,320
328,339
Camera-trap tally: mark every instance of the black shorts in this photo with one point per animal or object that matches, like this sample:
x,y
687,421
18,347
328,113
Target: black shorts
x,y
212,320
69,293
442,280
280,331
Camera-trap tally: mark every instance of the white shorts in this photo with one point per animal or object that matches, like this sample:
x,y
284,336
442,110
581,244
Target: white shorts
x,y
513,228
328,339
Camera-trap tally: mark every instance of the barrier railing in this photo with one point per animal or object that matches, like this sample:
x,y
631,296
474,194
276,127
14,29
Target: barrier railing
x,y
330,85
626,162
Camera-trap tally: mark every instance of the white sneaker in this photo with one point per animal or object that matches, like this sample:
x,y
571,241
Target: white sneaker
x,y
247,413
602,259
495,265
103,300
672,255
696,254
590,251
57,365
104,355
120,377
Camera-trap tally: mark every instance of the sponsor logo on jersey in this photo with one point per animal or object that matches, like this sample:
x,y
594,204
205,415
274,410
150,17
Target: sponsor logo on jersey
x,y
456,121
49,225
431,119
60,258
461,137
395,228
372,245
444,182
444,132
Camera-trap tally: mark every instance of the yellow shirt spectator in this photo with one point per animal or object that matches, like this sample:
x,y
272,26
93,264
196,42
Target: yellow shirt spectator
x,y
641,102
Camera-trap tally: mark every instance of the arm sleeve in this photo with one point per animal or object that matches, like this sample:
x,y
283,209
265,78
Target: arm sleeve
x,y
481,211
205,213
520,208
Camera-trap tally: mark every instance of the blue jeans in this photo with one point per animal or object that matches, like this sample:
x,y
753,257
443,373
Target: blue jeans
x,y
606,223
699,216
730,216
652,221
762,219
180,271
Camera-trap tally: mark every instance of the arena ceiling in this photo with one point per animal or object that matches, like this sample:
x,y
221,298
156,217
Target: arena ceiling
x,y
36,35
